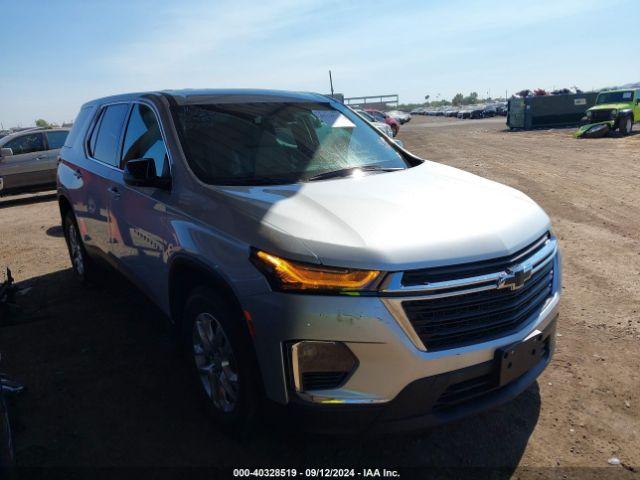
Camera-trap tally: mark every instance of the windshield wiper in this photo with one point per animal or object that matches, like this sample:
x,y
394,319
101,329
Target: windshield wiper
x,y
248,181
347,172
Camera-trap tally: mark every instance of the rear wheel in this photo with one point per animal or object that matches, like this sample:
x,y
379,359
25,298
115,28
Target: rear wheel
x,y
626,125
221,357
83,266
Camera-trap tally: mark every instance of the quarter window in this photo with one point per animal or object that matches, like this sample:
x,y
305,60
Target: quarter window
x,y
56,139
144,140
30,143
105,145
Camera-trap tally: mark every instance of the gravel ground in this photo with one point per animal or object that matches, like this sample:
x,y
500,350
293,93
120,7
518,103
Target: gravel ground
x,y
106,386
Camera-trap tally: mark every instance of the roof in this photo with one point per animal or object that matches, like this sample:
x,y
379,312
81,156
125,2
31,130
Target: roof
x,y
11,136
199,96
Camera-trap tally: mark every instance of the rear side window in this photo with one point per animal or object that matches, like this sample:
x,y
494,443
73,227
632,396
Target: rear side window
x,y
144,140
33,142
56,139
79,125
108,134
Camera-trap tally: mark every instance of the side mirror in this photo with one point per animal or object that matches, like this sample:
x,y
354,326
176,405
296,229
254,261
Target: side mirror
x,y
6,152
141,172
400,143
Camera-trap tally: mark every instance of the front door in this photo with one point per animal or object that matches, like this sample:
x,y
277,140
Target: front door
x,y
27,166
140,237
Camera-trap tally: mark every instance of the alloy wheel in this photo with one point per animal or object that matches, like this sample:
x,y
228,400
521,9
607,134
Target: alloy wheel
x,y
75,249
215,362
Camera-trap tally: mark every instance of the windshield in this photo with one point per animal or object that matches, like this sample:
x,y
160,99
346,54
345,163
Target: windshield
x,y
615,97
275,142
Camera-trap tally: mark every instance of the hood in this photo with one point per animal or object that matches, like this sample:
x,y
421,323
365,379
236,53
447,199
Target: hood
x,y
424,216
611,106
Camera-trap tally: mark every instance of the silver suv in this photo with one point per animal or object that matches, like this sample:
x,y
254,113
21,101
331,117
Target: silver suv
x,y
29,159
310,263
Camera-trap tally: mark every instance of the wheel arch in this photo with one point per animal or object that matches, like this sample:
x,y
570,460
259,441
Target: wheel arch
x,y
64,205
185,274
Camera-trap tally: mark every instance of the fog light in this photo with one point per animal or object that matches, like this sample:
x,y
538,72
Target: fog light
x,y
320,365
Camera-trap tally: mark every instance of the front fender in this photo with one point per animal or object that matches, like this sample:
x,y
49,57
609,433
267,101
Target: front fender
x,y
594,130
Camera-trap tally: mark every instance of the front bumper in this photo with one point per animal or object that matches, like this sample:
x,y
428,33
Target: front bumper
x,y
390,364
424,403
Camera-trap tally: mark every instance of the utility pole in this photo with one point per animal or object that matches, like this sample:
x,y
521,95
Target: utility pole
x,y
331,82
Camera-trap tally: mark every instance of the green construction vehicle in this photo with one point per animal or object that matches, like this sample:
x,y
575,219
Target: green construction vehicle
x,y
614,109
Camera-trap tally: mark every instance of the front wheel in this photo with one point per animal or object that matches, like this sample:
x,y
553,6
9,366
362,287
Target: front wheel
x,y
626,125
221,356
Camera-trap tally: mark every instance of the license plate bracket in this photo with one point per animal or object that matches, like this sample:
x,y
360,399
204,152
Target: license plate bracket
x,y
516,359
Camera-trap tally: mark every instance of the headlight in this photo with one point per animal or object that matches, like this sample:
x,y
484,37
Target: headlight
x,y
588,113
291,276
614,113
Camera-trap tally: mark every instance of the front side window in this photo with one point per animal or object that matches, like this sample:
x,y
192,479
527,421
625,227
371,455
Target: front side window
x,y
56,139
33,142
144,140
105,146
278,142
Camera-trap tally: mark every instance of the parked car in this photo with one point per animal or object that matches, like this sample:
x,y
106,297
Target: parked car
x,y
383,127
28,159
489,111
476,112
400,116
296,251
383,117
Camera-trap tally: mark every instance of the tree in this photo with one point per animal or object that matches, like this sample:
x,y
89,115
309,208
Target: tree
x,y
42,123
457,99
472,99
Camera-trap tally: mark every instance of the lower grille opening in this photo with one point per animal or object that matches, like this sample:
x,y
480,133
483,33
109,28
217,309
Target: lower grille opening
x,y
467,390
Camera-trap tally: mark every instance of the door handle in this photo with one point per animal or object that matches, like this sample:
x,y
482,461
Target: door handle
x,y
114,192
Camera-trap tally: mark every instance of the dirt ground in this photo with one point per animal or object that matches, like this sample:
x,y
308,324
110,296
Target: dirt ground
x,y
106,387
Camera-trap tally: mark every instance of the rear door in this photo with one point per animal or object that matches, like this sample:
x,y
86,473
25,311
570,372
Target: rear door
x,y
26,167
140,237
636,109
98,174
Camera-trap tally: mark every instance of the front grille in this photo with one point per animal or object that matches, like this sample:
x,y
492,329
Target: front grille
x,y
456,320
323,380
600,115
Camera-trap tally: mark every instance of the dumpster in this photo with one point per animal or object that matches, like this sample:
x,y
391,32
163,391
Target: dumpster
x,y
548,111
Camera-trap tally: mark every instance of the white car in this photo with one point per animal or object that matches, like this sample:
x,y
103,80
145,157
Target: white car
x,y
400,116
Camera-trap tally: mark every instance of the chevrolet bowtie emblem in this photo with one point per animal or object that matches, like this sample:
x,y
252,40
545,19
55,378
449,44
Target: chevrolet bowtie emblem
x,y
515,277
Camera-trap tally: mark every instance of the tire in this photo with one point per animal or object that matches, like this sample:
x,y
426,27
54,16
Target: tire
x,y
225,372
84,268
626,125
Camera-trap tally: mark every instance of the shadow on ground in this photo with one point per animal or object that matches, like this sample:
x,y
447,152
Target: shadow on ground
x,y
9,201
106,387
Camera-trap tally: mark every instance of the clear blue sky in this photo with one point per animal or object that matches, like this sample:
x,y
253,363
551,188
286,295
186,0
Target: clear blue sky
x,y
57,55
